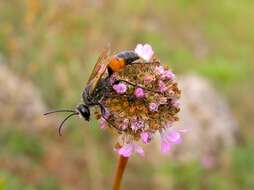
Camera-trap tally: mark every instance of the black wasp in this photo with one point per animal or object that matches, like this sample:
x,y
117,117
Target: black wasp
x,y
97,84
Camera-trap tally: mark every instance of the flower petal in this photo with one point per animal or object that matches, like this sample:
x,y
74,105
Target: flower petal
x,y
144,51
165,146
137,124
167,74
174,137
102,123
145,136
139,49
126,150
139,150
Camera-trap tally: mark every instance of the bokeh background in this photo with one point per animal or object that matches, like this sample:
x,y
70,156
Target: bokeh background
x,y
47,50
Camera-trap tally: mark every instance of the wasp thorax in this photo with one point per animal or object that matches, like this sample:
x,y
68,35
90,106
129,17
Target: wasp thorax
x,y
143,100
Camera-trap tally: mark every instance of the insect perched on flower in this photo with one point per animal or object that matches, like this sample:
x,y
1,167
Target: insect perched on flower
x,y
98,83
136,96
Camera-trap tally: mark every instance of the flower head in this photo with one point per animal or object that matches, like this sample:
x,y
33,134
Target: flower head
x,y
120,88
153,107
139,93
137,124
142,104
144,51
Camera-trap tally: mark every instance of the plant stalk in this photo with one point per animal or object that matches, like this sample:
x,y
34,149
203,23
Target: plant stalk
x,y
122,162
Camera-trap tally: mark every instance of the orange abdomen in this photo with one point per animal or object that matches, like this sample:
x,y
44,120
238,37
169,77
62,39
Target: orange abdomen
x,y
116,64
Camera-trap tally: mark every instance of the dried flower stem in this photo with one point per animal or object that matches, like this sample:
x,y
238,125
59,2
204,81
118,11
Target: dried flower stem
x,y
122,162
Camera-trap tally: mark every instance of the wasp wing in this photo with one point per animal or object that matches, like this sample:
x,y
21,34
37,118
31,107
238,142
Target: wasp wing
x,y
98,70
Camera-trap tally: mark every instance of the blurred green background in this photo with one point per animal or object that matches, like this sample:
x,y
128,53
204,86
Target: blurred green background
x,y
54,44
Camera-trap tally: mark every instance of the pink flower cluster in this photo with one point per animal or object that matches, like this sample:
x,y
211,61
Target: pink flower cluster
x,y
164,73
145,108
169,137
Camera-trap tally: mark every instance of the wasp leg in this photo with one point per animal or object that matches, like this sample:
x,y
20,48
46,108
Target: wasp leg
x,y
110,71
136,85
103,112
137,62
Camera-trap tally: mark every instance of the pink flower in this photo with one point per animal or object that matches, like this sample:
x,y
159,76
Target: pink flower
x,y
153,107
169,137
148,79
137,124
102,123
159,70
125,124
167,74
162,86
165,146
144,51
174,137
175,103
146,137
128,149
120,88
139,93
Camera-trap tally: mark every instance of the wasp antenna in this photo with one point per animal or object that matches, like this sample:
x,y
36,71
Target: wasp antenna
x,y
61,125
62,110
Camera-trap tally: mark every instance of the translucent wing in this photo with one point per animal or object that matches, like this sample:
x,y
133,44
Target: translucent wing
x,y
99,69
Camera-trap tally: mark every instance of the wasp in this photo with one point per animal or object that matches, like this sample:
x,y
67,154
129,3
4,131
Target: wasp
x,y
98,82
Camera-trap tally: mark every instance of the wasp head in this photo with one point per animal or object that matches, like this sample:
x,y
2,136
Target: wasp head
x,y
84,111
